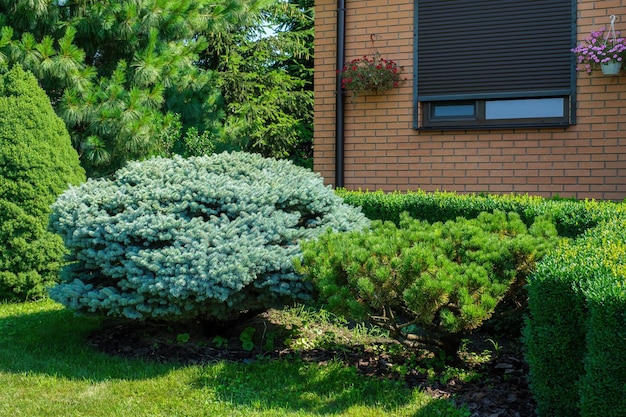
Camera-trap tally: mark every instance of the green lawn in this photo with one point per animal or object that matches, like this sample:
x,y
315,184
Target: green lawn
x,y
46,369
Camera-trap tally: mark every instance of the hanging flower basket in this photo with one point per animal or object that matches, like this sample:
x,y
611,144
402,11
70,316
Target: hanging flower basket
x,y
370,74
603,49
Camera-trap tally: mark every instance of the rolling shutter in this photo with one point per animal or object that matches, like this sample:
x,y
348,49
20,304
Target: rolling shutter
x,y
476,49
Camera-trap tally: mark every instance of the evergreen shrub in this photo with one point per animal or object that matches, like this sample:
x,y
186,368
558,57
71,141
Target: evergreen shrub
x,y
199,238
427,284
555,335
37,163
603,387
571,217
575,334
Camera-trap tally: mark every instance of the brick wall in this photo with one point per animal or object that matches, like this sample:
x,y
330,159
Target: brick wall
x,y
383,151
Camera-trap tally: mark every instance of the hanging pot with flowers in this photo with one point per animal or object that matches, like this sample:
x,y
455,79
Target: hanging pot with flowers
x,y
603,49
370,74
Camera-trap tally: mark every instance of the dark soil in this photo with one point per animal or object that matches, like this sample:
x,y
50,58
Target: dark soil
x,y
499,390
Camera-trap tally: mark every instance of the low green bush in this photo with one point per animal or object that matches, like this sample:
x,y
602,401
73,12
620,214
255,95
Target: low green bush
x,y
554,336
575,334
426,283
571,218
603,388
198,238
37,163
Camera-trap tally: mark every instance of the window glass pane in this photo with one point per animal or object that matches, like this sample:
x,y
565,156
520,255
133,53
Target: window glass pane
x,y
524,109
453,110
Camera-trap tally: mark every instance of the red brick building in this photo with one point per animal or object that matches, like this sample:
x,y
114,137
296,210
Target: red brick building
x,y
396,140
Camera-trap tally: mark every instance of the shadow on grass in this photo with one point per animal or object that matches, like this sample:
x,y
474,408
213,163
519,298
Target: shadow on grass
x,y
45,338
326,390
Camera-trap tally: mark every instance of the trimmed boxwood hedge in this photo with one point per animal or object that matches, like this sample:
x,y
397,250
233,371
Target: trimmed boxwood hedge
x,y
571,217
576,331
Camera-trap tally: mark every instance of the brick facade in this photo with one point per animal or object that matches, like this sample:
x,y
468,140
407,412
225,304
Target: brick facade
x,y
383,151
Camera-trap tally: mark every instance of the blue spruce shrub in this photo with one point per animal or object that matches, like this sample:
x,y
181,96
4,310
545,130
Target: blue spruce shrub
x,y
199,238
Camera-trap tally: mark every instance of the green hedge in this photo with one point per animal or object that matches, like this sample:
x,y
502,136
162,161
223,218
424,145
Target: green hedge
x,y
571,217
554,336
575,332
603,389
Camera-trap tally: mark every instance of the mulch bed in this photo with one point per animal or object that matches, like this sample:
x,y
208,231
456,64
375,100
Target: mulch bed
x,y
500,391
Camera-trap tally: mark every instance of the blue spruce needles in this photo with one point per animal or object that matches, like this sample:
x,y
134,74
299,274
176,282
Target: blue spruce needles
x,y
203,237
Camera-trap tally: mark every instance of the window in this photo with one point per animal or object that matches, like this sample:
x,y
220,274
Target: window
x,y
492,64
496,113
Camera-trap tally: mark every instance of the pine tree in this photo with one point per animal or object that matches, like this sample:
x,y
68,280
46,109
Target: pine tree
x,y
265,68
131,77
120,73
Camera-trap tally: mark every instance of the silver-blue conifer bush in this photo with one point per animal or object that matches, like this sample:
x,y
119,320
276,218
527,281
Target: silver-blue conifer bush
x,y
199,238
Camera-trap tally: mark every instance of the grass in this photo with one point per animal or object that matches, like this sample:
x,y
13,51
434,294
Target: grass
x,y
47,369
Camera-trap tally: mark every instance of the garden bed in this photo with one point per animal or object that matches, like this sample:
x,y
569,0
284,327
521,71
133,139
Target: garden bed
x,y
491,379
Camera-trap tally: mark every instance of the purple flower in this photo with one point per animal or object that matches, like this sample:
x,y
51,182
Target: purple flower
x,y
599,48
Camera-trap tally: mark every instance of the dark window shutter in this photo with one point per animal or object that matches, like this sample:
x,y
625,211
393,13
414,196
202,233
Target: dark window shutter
x,y
497,48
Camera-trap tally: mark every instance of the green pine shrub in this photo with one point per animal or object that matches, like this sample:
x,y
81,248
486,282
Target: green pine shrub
x,y
37,163
427,284
203,238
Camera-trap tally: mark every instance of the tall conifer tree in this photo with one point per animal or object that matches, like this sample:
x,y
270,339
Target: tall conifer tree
x,y
37,163
121,74
136,78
